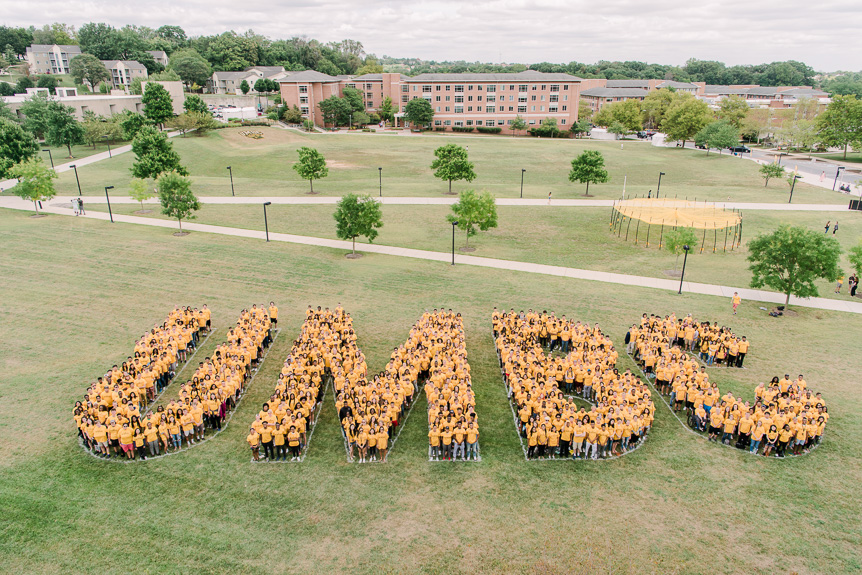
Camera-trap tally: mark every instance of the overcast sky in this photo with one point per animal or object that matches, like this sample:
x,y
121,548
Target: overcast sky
x,y
825,33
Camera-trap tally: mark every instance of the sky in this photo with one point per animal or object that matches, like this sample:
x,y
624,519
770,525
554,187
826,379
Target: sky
x,y
824,34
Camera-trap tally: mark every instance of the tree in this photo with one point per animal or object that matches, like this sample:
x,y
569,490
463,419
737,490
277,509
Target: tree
x,y
771,171
840,125
360,118
790,259
63,128
386,112
627,113
579,128
244,87
49,82
189,121
6,89
158,106
451,164
191,67
16,146
419,112
674,241
140,191
354,98
655,106
176,196
311,166
195,103
734,109
357,216
101,40
585,111
474,211
34,181
24,83
155,154
720,134
132,123
292,115
604,117
35,110
89,70
335,111
685,117
855,257
518,124
589,168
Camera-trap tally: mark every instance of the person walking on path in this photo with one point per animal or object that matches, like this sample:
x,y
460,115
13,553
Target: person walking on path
x,y
549,198
81,207
822,176
736,301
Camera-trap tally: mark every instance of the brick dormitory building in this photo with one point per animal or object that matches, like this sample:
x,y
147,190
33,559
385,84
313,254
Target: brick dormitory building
x,y
466,100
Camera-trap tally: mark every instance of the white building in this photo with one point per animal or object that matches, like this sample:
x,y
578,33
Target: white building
x,y
51,58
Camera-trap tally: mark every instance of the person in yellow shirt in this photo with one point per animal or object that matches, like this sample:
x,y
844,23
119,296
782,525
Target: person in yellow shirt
x,y
151,436
362,444
293,443
446,438
382,442
756,437
736,301
139,444
126,437
743,349
278,442
532,441
472,441
434,443
266,441
253,439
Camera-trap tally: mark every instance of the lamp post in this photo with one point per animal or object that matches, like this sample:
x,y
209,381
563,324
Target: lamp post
x,y
107,141
455,223
779,157
107,197
684,259
522,182
658,189
265,223
837,173
51,157
792,185
229,171
380,172
74,167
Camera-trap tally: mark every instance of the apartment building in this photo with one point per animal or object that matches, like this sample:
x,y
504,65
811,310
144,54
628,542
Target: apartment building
x,y
230,82
761,96
600,92
124,71
160,56
458,100
50,58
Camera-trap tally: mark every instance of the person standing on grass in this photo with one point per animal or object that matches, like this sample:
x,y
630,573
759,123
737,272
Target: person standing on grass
x,y
829,223
743,349
293,443
736,301
253,439
839,284
853,283
835,227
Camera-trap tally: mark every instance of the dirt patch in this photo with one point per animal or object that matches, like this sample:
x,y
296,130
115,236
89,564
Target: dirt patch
x,y
672,273
353,256
38,215
181,234
144,211
466,249
341,165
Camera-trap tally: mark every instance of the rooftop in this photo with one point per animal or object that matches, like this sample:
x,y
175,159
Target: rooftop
x,y
615,93
308,76
526,75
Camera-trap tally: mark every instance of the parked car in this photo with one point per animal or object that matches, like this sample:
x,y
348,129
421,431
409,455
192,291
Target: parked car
x,y
740,149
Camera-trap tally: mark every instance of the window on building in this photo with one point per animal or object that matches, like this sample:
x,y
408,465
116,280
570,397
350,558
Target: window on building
x,y
303,89
512,87
491,98
438,122
555,87
447,123
510,108
532,122
544,87
352,86
470,87
436,98
469,98
479,122
447,108
459,88
448,88
469,122
369,95
522,87
565,86
522,109
565,97
563,121
533,86
564,108
552,108
459,109
426,88
509,122
533,98
404,87
437,87
404,97
541,108
554,98
459,98
491,88
303,99
304,110
479,98
490,109
479,87
459,123
469,108
438,108
522,98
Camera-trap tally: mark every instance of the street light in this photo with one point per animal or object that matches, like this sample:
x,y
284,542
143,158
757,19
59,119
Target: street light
x,y
229,171
658,189
107,197
74,167
522,182
684,259
779,157
380,171
107,141
265,223
455,223
837,173
792,185
50,157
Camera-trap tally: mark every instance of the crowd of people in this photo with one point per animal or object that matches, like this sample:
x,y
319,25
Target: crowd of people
x,y
786,416
542,387
116,418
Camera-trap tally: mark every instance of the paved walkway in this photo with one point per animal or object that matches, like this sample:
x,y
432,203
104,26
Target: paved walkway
x,y
445,201
591,275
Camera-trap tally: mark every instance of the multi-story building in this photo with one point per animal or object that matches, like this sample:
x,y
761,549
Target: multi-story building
x,y
124,71
50,58
230,82
761,96
160,56
458,100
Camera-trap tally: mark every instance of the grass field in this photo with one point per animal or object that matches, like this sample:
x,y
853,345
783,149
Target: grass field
x,y
558,236
77,293
263,168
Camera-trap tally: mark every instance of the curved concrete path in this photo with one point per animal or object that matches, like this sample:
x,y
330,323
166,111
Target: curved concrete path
x,y
576,273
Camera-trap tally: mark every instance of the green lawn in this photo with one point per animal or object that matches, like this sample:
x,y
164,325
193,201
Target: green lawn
x,y
852,157
570,237
61,156
264,168
77,293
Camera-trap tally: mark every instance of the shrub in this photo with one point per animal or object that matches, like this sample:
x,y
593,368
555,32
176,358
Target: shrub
x,y
488,130
464,129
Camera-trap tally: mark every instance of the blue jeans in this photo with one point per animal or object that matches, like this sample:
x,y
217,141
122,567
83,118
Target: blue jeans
x,y
471,449
177,440
754,446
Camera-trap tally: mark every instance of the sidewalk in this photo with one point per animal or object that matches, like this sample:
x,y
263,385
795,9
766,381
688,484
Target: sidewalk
x,y
575,273
445,201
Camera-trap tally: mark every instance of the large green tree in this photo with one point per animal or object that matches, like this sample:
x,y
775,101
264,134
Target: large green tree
x,y
419,112
195,103
191,67
35,110
34,181
63,128
101,40
335,111
518,124
158,106
628,114
387,111
840,125
451,164
718,135
311,166
176,196
354,98
589,168
791,259
155,154
89,70
357,216
734,109
16,146
474,213
656,105
685,117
